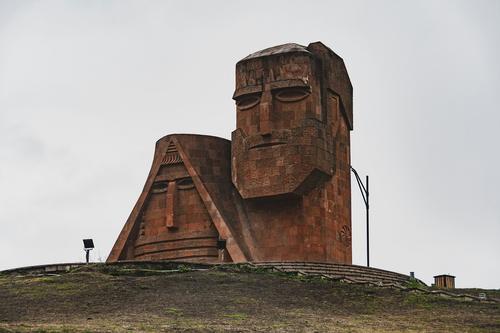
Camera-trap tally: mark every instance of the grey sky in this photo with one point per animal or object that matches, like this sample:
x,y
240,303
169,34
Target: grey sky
x,y
87,87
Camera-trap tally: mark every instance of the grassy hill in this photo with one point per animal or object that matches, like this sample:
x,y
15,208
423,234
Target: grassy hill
x,y
100,298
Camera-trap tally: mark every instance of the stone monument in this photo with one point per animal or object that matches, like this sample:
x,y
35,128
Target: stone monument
x,y
278,191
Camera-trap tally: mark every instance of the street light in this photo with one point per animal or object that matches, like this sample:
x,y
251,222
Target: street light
x,y
365,194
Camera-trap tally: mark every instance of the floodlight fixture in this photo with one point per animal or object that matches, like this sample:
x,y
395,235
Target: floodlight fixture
x,y
221,247
88,244
221,244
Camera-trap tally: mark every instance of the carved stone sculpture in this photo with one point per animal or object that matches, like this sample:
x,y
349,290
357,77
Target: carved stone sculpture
x,y
279,191
179,214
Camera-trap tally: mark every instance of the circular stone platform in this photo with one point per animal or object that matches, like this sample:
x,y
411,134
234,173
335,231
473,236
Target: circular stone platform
x,y
348,273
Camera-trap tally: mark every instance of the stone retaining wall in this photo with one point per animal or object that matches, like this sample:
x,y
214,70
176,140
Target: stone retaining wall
x,y
351,273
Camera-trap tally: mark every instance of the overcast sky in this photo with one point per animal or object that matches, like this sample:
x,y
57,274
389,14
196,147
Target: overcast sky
x,y
87,87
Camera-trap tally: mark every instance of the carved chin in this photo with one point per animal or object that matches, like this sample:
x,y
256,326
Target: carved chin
x,y
279,169
287,162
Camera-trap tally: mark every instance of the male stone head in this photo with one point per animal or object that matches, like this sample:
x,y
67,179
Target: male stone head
x,y
290,101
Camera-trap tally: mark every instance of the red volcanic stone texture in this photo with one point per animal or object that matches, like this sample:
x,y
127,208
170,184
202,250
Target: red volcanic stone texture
x,y
290,153
170,220
279,191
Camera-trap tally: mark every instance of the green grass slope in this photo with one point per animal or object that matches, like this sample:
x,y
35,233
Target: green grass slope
x,y
125,299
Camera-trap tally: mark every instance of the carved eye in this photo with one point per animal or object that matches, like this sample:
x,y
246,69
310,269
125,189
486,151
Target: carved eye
x,y
247,101
159,187
185,184
292,94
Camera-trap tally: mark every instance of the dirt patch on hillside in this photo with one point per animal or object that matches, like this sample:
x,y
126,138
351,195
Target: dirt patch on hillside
x,y
124,300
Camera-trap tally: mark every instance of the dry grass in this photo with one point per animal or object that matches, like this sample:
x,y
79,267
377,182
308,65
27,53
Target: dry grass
x,y
122,299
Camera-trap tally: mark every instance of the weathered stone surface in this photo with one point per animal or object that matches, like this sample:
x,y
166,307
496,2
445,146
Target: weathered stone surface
x,y
175,217
291,153
279,191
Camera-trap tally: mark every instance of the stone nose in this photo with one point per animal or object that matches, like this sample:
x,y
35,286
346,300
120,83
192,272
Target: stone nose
x,y
170,218
265,113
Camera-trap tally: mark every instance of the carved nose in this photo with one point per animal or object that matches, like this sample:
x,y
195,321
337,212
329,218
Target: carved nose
x,y
170,218
265,113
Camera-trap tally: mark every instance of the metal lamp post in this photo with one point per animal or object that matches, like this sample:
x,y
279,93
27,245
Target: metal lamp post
x,y
366,199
